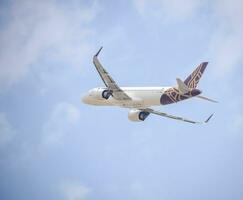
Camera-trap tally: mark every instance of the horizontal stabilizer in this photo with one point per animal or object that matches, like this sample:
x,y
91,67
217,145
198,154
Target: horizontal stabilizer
x,y
207,99
182,87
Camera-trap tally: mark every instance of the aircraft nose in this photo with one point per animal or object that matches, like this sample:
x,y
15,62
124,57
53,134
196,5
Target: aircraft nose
x,y
85,99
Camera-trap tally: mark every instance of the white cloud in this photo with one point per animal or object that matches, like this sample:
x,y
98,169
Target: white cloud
x,y
6,130
75,191
226,51
63,118
168,11
36,29
226,46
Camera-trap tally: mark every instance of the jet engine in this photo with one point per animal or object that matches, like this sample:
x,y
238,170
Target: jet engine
x,y
100,93
106,94
137,115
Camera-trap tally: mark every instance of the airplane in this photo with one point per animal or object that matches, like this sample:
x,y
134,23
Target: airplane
x,y
140,99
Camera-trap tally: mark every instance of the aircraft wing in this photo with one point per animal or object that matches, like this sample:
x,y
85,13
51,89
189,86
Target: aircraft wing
x,y
117,92
175,117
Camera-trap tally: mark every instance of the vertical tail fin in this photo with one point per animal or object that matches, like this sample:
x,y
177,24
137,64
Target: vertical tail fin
x,y
193,79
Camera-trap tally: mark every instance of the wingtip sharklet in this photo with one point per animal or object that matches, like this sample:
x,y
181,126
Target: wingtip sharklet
x,y
207,120
98,52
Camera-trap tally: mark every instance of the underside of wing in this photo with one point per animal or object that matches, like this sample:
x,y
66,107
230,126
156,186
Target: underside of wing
x,y
149,110
116,91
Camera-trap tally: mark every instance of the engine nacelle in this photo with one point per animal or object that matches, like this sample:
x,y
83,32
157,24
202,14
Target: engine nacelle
x,y
101,93
137,115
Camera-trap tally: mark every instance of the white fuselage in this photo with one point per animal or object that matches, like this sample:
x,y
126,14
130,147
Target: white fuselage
x,y
142,97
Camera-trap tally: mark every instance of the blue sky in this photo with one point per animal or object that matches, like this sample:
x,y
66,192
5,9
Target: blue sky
x,y
54,147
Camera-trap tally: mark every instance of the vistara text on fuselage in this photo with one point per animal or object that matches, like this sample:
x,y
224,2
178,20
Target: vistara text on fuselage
x,y
140,99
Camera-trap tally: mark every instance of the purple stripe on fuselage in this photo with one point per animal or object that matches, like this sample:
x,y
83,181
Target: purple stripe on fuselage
x,y
173,95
